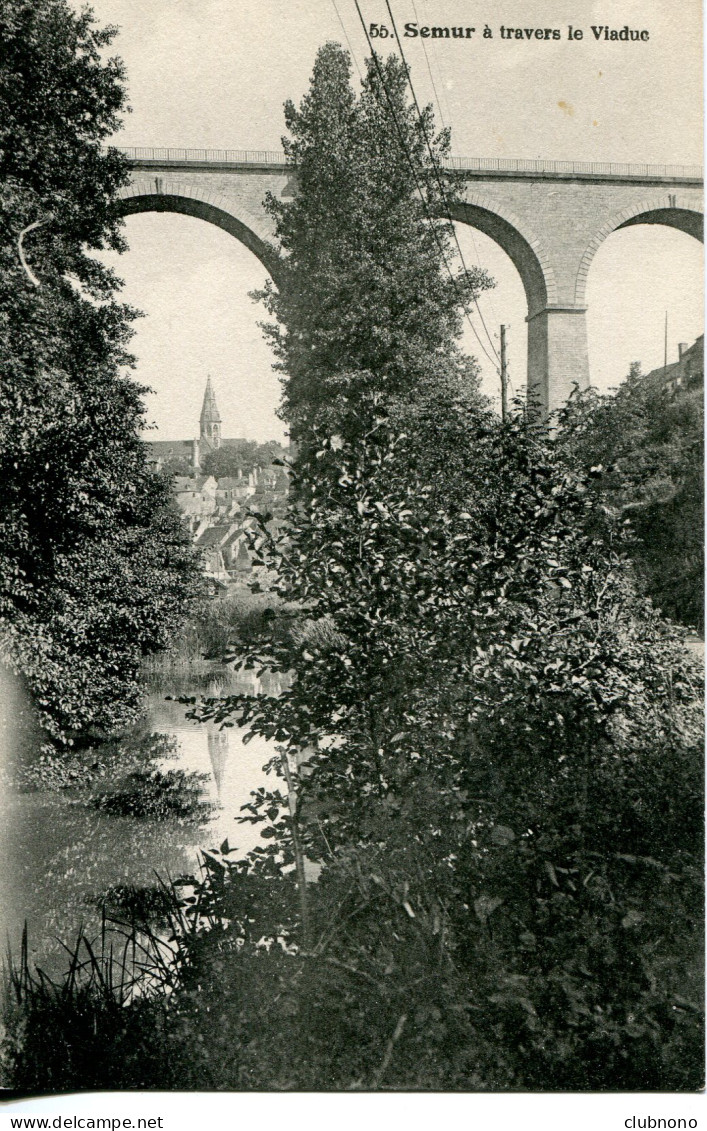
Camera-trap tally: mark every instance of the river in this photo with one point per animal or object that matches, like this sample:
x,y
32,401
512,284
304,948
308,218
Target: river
x,y
59,855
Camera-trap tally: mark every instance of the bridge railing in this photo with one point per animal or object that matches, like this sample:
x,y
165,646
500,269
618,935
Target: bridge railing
x,y
598,168
206,156
470,164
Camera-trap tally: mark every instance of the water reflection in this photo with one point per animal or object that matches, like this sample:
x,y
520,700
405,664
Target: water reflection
x,y
218,756
234,768
59,853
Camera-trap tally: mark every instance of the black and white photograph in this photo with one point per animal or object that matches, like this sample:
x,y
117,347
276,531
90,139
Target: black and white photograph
x,y
351,562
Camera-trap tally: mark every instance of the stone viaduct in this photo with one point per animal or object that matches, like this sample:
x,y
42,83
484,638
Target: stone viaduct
x,y
550,217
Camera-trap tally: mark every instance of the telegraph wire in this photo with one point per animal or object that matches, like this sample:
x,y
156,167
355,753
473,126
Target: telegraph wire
x,y
412,166
425,52
435,166
404,146
440,77
429,68
439,69
348,41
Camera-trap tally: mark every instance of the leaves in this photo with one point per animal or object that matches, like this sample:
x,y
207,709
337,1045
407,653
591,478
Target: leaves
x,y
364,301
95,567
643,448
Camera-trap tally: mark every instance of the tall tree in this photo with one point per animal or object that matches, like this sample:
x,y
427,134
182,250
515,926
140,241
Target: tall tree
x,y
94,566
369,299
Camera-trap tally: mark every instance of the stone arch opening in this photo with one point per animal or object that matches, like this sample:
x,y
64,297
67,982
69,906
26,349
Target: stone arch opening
x,y
137,199
644,299
506,303
533,265
195,285
673,213
523,249
684,219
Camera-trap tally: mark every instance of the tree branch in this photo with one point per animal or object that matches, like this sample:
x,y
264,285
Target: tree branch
x,y
20,251
389,1051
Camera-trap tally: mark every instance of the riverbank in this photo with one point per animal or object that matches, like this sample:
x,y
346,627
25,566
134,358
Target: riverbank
x,y
217,626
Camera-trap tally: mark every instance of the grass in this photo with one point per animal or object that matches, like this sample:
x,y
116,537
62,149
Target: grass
x,y
119,1014
106,1017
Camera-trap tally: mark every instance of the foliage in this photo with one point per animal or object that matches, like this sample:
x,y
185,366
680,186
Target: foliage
x,y
86,766
366,301
218,625
95,568
650,440
501,782
243,456
483,719
405,987
495,743
178,466
236,620
136,904
414,598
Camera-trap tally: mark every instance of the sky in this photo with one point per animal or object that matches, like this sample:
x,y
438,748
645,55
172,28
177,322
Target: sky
x,y
215,74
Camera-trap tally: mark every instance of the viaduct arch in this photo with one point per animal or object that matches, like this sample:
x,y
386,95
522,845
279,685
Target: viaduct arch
x,y
675,212
167,196
550,217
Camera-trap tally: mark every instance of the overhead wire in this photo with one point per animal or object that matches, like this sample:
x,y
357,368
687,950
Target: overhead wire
x,y
429,69
411,163
435,166
348,41
434,51
438,100
442,84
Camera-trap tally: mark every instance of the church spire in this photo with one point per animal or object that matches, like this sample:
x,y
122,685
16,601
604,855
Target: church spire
x,y
210,419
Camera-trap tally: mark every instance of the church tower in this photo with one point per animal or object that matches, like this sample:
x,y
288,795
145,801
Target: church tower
x,y
210,420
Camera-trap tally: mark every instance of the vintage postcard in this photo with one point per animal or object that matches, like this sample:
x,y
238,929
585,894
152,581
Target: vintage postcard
x,y
351,569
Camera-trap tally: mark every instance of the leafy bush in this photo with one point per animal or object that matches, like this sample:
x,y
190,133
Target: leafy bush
x,y
217,626
495,743
650,440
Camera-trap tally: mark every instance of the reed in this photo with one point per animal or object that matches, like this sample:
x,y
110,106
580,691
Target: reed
x,y
110,1017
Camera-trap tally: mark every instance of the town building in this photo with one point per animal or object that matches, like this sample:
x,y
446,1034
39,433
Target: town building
x,y
687,373
192,452
217,510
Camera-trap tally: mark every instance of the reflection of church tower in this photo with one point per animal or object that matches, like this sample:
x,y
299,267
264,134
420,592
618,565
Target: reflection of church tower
x,y
218,753
210,420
